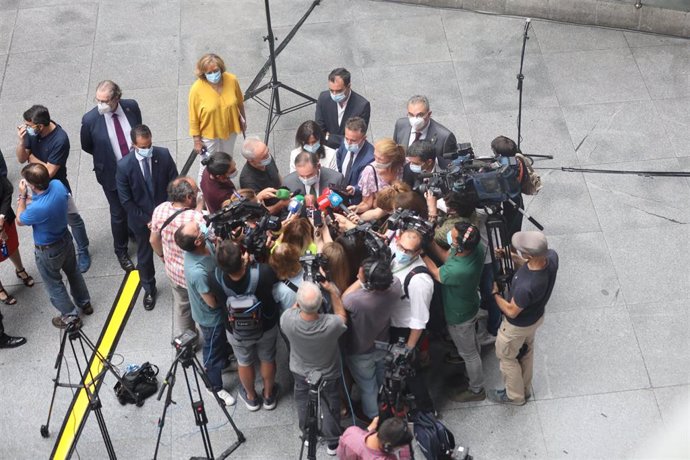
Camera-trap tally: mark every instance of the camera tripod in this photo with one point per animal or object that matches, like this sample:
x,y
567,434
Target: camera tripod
x,y
311,423
186,356
90,383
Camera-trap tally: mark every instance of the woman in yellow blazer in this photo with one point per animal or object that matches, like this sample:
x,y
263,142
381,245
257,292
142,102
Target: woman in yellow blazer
x,y
216,107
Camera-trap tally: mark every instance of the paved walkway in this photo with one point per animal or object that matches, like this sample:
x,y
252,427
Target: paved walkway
x,y
612,358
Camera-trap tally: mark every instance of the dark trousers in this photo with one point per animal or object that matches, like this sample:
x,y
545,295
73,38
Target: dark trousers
x,y
2,328
486,287
512,216
415,383
118,222
329,410
147,272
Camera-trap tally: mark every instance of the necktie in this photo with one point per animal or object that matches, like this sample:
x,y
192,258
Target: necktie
x,y
124,149
346,173
417,135
147,176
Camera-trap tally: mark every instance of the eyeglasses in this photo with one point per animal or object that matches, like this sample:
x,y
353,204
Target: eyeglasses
x,y
409,252
98,101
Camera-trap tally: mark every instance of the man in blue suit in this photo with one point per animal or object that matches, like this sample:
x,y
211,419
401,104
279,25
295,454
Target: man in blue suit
x,y
105,135
142,180
354,153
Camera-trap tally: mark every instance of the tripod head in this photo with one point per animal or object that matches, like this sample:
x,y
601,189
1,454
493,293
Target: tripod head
x,y
184,344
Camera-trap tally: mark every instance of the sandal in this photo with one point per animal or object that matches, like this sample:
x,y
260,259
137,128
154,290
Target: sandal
x,y
8,300
26,278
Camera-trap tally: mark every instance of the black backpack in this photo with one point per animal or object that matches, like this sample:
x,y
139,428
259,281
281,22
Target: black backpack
x,y
142,382
433,438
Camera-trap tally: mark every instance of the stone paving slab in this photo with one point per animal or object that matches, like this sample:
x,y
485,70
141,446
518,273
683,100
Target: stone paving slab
x,y
611,360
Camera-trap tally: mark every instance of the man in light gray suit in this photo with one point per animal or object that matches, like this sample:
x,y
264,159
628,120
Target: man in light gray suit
x,y
418,124
310,178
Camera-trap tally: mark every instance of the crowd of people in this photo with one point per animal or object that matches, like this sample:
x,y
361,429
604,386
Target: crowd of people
x,y
314,281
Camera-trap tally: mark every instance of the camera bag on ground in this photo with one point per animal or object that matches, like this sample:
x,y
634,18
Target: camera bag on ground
x,y
141,381
244,310
530,181
433,438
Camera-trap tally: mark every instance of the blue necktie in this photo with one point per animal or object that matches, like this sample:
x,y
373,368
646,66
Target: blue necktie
x,y
147,177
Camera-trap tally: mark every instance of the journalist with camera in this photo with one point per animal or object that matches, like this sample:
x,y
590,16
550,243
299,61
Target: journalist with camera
x,y
313,338
370,302
253,317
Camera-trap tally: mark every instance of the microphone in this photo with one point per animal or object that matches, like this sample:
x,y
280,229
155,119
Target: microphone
x,y
295,206
336,201
323,201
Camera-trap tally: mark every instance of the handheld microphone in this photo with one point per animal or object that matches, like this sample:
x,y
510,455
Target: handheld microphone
x,y
309,201
295,206
337,202
323,201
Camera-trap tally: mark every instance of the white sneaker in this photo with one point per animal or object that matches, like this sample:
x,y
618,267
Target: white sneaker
x,y
331,452
225,396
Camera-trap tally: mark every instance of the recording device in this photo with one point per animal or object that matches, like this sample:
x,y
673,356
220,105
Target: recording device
x,y
478,181
313,214
239,214
404,219
337,201
398,360
295,205
312,263
373,243
184,343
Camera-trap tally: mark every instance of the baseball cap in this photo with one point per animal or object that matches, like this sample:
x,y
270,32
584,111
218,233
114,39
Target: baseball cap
x,y
531,242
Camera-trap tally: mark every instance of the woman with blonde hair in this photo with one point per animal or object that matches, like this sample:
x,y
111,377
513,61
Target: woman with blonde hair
x,y
338,265
216,107
387,167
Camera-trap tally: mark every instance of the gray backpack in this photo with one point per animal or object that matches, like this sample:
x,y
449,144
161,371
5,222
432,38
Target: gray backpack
x,y
244,310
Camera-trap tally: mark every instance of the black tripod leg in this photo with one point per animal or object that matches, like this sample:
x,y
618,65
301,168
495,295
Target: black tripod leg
x,y
58,365
199,410
170,383
96,407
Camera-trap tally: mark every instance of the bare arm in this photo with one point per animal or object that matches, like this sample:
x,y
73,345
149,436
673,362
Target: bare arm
x,y
156,243
510,309
413,338
22,152
439,252
210,299
433,269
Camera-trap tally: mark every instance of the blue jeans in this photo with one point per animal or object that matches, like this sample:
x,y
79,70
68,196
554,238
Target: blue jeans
x,y
486,287
76,224
50,262
368,370
215,352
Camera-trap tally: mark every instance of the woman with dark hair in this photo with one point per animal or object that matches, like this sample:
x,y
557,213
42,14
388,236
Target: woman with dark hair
x,y
216,180
338,265
310,138
300,233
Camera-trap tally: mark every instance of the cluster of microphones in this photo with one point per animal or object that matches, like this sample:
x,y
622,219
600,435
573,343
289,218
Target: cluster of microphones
x,y
326,202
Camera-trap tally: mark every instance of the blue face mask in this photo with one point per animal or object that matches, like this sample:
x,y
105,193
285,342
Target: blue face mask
x,y
31,131
266,162
203,229
213,77
415,168
312,148
353,148
402,257
340,97
449,238
145,153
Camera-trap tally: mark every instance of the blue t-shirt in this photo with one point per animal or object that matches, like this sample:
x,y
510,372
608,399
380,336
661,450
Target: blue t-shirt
x,y
52,148
47,214
198,272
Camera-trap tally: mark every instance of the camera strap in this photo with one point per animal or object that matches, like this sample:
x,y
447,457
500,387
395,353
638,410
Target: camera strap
x,y
415,271
290,284
171,218
251,286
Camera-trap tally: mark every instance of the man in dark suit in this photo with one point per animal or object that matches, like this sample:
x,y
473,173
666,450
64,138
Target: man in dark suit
x,y
105,134
353,154
142,179
337,105
310,178
419,125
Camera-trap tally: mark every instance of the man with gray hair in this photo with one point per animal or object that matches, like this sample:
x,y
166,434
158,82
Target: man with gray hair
x,y
180,209
313,339
531,289
260,174
418,125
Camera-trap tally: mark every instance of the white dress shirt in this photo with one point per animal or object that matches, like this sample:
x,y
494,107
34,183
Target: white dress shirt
x,y
341,108
126,128
422,136
141,161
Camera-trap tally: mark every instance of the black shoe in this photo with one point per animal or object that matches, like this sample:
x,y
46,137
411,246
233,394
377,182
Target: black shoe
x,y
7,341
87,309
125,262
149,300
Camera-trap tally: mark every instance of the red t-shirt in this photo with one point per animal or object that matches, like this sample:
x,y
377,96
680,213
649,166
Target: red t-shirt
x,y
215,192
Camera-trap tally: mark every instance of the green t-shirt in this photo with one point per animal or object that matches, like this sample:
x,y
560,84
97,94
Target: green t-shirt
x,y
199,270
460,282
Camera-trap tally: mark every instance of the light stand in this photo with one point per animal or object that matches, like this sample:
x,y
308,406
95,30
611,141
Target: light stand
x,y
275,111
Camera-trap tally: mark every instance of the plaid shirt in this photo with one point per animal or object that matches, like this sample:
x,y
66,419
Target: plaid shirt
x,y
174,256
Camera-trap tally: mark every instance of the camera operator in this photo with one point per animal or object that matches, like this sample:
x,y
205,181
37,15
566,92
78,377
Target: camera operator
x,y
199,268
409,319
459,277
505,147
255,337
313,341
370,302
421,156
390,441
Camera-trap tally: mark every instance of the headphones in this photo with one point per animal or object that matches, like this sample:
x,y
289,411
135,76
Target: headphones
x,y
468,233
370,272
402,437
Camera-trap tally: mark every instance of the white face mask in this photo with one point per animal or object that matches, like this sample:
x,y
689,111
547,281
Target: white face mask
x,y
104,108
417,123
378,165
309,180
